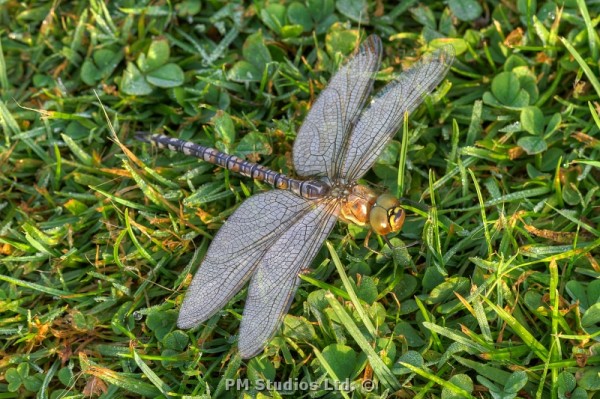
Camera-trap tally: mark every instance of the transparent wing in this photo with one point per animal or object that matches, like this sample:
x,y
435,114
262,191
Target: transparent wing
x,y
237,250
319,143
275,281
382,119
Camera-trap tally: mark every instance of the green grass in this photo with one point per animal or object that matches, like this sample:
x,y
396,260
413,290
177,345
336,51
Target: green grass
x,y
100,234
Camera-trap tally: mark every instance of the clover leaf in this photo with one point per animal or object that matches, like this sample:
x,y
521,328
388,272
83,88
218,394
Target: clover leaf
x,y
151,70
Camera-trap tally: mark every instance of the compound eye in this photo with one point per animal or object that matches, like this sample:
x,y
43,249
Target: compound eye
x,y
396,218
379,221
386,215
387,201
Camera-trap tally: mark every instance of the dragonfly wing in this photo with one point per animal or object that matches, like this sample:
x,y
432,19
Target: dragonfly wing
x,y
321,137
275,281
382,119
236,251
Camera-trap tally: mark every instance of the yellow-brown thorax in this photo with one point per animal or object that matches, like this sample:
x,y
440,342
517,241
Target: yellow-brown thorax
x,y
365,208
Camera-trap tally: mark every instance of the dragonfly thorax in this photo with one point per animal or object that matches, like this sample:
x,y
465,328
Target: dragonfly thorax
x,y
362,206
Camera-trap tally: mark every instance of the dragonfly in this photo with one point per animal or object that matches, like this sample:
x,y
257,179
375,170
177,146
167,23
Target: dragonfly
x,y
273,236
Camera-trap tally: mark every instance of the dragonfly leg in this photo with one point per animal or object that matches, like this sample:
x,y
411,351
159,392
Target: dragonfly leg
x,y
366,244
389,243
395,250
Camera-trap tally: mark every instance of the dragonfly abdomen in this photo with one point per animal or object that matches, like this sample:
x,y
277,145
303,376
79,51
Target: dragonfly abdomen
x,y
310,189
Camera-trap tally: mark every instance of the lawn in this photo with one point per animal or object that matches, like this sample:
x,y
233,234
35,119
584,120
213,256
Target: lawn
x,y
490,290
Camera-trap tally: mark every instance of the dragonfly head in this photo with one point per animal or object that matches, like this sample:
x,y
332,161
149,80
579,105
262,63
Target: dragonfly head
x,y
386,216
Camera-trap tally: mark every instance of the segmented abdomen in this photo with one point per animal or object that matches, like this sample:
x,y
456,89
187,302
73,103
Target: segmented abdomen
x,y
310,189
